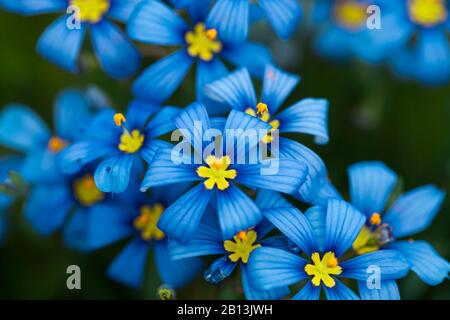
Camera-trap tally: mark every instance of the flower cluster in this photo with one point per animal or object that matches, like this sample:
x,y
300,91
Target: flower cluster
x,y
214,177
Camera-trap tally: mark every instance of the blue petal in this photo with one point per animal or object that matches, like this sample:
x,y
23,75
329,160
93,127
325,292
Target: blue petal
x,y
308,116
61,45
424,260
122,9
128,266
255,58
388,291
308,292
252,294
343,224
231,19
277,86
162,122
22,129
161,79
340,292
113,173
155,23
270,268
75,230
206,240
74,157
30,7
391,263
107,223
139,112
208,72
284,15
236,90
432,63
317,217
169,270
117,55
163,171
334,43
182,218
40,165
103,128
47,207
71,114
281,175
371,183
414,211
266,199
294,225
280,242
236,211
151,146
219,270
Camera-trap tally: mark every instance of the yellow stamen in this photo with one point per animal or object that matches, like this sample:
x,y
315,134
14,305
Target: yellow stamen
x,y
202,43
365,242
375,219
86,192
322,269
242,246
91,11
56,144
262,112
147,222
217,172
261,108
350,14
427,13
119,119
131,143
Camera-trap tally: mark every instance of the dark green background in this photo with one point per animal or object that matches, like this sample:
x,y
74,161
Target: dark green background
x,y
372,116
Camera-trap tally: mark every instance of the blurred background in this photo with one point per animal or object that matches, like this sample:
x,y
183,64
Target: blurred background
x,y
373,116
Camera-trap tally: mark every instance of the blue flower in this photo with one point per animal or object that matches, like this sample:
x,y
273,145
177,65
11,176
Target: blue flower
x,y
207,240
219,173
324,236
62,41
308,116
121,142
155,23
137,217
371,184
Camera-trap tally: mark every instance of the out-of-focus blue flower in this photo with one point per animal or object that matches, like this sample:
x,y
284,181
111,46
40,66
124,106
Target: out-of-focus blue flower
x,y
54,196
137,217
62,41
371,184
207,240
220,171
324,236
121,142
308,116
203,43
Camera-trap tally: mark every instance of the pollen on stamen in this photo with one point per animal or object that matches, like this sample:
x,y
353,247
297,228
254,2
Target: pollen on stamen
x,y
211,34
261,108
375,219
119,119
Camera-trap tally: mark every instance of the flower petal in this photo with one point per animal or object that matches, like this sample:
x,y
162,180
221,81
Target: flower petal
x,y
122,9
231,19
255,59
113,173
251,294
266,199
308,292
207,72
284,15
340,292
388,291
31,7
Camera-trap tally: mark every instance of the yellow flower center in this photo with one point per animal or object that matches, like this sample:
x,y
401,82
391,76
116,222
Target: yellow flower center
x,y
147,222
322,269
129,142
91,11
56,144
262,112
372,237
350,14
202,43
86,192
217,172
427,13
241,246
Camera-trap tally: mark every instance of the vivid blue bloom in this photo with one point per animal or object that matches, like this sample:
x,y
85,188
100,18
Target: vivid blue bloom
x,y
324,236
346,29
307,116
219,173
155,23
121,142
137,218
54,196
62,41
207,240
7,164
371,184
